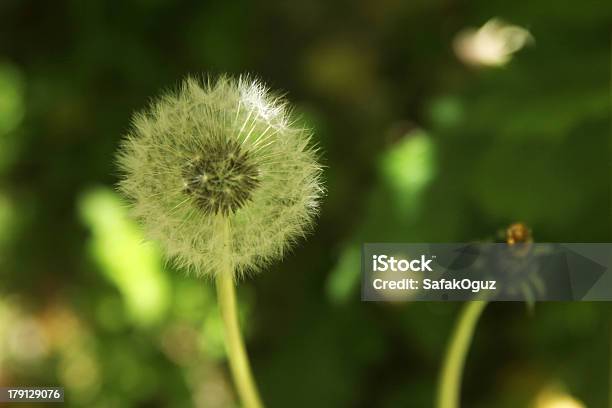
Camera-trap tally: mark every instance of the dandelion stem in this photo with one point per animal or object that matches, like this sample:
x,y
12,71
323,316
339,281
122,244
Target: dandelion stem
x,y
238,359
449,387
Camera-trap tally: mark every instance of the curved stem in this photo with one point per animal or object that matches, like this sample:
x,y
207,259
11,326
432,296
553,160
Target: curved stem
x,y
238,359
449,387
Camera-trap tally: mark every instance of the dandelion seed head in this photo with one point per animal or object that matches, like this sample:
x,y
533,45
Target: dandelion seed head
x,y
221,148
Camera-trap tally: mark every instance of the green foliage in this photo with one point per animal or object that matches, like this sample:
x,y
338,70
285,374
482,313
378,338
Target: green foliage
x,y
418,147
135,267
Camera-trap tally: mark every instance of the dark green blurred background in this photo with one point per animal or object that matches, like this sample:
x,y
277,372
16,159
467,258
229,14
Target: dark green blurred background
x,y
420,146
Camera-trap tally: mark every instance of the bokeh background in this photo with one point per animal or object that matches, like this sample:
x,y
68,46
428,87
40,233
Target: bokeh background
x,y
431,132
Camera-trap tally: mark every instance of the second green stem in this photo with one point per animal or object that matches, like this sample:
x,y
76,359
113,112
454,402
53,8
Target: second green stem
x,y
449,391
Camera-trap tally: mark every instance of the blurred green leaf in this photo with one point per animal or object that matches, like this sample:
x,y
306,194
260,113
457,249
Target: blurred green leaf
x,y
128,262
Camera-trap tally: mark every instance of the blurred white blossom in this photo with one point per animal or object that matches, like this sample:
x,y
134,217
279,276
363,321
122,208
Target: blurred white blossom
x,y
555,398
493,44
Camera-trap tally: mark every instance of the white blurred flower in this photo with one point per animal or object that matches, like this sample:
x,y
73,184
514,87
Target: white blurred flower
x,y
554,398
492,44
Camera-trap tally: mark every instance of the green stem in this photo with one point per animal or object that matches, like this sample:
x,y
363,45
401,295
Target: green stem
x,y
610,368
238,359
449,387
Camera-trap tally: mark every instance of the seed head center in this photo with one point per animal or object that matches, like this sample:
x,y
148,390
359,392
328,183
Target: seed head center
x,y
221,177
